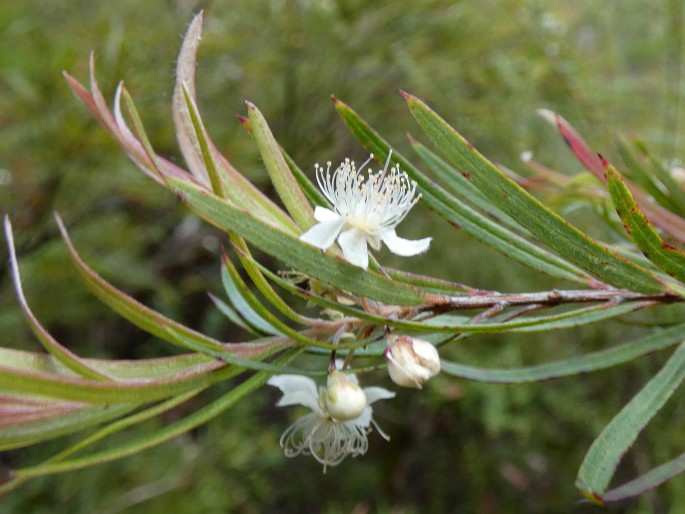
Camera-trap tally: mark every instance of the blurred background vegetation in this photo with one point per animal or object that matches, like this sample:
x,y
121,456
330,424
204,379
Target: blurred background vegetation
x,y
485,65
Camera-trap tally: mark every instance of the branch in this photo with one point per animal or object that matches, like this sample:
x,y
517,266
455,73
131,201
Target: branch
x,y
549,298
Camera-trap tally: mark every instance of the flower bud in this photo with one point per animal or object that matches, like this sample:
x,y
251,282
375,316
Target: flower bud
x,y
344,398
411,362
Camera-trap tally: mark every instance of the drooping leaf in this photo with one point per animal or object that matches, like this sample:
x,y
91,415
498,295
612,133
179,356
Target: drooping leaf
x,y
143,368
602,458
151,321
160,436
594,361
120,391
647,481
62,354
19,435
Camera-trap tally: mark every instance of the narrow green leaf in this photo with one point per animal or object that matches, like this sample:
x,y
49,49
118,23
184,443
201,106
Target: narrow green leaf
x,y
449,323
126,422
139,130
232,315
569,319
675,190
645,236
249,315
545,224
460,186
263,285
143,368
265,314
582,364
256,365
648,481
474,223
282,179
62,354
98,392
601,460
26,434
162,435
206,153
300,256
314,196
145,318
636,171
509,244
437,285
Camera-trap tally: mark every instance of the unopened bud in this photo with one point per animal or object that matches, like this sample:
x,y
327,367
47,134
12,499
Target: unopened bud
x,y
344,398
411,362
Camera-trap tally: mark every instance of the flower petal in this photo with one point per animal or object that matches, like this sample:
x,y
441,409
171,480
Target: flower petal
x,y
374,241
353,244
297,390
322,235
404,247
363,420
373,394
324,214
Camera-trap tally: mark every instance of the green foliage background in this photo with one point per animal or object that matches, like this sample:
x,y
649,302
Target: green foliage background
x,y
486,65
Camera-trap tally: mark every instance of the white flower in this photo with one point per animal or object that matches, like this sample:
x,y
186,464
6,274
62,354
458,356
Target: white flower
x,y
328,438
366,211
411,362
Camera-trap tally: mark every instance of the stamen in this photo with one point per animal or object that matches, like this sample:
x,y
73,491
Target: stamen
x,y
385,170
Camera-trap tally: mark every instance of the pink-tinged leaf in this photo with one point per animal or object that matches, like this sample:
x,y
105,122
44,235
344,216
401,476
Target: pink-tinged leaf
x,y
141,154
95,103
198,148
62,354
185,74
576,143
137,444
543,174
671,223
155,323
140,390
9,418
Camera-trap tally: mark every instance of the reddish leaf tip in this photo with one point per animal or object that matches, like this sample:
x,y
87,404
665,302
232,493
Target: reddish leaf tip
x,y
593,497
245,122
334,100
250,105
605,163
410,138
404,94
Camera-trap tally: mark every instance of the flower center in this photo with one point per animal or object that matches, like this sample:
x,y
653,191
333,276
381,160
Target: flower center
x,y
370,202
